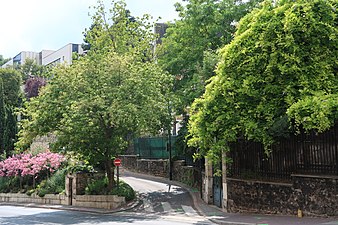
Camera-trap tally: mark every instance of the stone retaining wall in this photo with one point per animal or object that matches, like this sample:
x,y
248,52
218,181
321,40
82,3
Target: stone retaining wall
x,y
23,198
155,167
91,201
313,195
160,167
99,201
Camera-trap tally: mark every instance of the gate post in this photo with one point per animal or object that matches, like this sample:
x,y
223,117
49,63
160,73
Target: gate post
x,y
70,187
208,183
224,183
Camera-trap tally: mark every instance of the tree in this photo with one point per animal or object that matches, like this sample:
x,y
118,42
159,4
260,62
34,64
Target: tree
x,y
2,116
280,70
33,85
190,44
10,98
93,105
3,60
31,69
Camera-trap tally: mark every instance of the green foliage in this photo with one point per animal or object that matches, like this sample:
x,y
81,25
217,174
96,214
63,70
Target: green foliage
x,y
100,187
54,185
124,190
10,98
282,56
190,44
31,69
318,112
9,184
97,187
11,86
117,89
3,60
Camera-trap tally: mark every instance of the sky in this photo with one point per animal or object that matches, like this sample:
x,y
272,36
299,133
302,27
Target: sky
x,y
34,25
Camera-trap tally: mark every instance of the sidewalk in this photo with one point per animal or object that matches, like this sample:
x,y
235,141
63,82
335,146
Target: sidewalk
x,y
216,215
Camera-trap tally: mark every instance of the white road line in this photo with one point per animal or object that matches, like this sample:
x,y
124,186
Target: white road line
x,y
190,211
147,206
167,207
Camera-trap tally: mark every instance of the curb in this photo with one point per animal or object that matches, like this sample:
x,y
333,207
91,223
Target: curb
x,y
127,207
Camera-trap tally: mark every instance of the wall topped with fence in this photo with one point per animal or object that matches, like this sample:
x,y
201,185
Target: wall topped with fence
x,y
154,147
302,154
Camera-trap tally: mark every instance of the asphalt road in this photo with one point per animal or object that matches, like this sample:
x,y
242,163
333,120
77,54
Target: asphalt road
x,y
163,204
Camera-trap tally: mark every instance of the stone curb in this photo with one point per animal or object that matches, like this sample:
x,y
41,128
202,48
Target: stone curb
x,y
129,206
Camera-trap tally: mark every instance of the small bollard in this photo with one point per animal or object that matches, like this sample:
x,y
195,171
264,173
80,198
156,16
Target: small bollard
x,y
300,213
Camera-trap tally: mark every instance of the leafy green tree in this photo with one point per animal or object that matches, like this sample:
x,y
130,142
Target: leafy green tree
x,y
189,49
190,44
2,115
3,60
93,105
10,99
31,69
280,70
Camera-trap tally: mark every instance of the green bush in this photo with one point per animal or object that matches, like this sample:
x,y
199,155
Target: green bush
x,y
53,185
124,190
9,184
100,187
97,187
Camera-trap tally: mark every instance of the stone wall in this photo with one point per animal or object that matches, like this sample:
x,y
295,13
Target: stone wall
x,y
24,198
99,201
317,195
129,161
155,167
313,195
160,167
184,174
91,201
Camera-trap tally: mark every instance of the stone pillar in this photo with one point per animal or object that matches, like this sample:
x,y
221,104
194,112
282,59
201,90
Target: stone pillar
x,y
208,183
70,188
224,183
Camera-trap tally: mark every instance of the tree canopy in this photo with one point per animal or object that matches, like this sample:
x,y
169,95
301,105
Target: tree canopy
x,y
190,44
94,105
3,60
10,99
279,74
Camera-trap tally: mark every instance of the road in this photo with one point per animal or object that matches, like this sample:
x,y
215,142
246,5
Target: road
x,y
163,204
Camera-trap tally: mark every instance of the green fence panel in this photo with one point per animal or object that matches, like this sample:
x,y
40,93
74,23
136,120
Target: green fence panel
x,y
154,147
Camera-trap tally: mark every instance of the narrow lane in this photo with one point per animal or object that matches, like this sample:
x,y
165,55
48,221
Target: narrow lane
x,y
159,197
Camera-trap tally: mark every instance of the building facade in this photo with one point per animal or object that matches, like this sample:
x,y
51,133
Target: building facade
x,y
47,57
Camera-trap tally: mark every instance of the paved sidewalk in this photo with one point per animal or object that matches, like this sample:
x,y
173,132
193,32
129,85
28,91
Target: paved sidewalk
x,y
216,215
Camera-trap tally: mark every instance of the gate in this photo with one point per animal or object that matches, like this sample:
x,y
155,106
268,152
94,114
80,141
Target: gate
x,y
217,191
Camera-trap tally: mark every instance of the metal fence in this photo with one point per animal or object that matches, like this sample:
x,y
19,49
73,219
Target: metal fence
x,y
154,147
312,153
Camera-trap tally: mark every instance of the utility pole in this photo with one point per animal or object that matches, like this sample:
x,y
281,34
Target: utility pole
x,y
169,145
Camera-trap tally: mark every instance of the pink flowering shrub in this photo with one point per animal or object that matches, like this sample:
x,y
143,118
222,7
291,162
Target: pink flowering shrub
x,y
26,164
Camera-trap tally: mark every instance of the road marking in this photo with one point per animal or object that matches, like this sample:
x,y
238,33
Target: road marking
x,y
147,206
190,211
167,207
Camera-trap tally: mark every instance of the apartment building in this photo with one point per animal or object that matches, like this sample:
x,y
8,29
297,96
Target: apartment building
x,y
47,57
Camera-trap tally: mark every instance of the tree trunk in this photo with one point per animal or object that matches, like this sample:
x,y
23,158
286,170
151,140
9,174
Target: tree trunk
x,y
110,174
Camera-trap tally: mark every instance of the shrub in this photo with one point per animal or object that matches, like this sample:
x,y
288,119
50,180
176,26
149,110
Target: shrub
x,y
99,187
53,185
124,190
9,184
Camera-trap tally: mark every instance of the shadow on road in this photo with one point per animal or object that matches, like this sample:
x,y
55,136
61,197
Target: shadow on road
x,y
72,218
